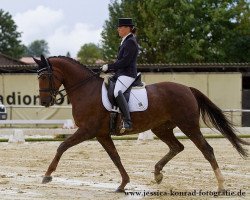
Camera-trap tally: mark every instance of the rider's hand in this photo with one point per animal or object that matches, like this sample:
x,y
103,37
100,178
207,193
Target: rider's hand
x,y
104,68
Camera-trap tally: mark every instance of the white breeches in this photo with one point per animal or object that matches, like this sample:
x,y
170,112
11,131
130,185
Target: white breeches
x,y
122,83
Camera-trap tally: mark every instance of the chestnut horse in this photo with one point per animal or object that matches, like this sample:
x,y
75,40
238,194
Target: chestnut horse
x,y
170,105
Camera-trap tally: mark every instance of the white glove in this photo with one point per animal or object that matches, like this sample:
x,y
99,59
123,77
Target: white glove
x,y
104,68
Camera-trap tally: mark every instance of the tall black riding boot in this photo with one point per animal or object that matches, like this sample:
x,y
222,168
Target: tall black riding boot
x,y
123,105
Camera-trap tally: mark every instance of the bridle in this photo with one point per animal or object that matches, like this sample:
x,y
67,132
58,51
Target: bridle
x,y
48,73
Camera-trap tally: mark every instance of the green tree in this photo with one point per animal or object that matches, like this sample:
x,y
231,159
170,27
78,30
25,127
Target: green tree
x,y
110,39
89,53
183,30
10,44
37,48
238,46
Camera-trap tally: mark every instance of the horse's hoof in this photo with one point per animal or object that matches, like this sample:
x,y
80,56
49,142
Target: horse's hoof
x,y
120,190
47,179
158,178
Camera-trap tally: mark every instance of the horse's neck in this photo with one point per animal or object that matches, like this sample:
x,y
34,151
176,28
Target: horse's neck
x,y
75,74
85,92
78,80
71,71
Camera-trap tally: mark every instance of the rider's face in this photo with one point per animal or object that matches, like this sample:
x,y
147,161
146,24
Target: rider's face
x,y
123,31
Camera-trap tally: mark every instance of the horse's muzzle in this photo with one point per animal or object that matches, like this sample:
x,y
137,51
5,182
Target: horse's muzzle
x,y
47,101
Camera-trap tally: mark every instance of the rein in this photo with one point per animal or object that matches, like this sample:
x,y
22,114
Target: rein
x,y
74,87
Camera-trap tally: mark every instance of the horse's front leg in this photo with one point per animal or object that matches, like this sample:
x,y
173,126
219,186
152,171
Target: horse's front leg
x,y
110,148
79,136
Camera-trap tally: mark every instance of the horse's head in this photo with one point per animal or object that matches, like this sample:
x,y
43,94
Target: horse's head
x,y
48,83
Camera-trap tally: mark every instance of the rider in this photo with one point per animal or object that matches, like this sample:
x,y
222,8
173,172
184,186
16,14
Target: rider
x,y
124,67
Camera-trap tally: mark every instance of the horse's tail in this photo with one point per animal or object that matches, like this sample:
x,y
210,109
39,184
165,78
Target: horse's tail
x,y
215,115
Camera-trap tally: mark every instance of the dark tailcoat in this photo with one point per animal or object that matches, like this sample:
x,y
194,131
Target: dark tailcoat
x,y
126,58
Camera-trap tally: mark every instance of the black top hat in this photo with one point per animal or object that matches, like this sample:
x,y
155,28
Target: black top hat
x,y
125,22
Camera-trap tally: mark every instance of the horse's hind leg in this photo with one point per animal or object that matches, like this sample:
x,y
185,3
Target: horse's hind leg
x,y
165,133
75,139
198,139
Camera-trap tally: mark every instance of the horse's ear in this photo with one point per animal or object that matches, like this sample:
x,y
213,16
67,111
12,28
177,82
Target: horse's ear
x,y
43,60
37,61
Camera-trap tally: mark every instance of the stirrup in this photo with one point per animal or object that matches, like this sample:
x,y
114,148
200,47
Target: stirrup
x,y
123,129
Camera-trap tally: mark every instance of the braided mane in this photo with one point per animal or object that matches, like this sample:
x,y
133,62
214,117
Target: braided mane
x,y
72,60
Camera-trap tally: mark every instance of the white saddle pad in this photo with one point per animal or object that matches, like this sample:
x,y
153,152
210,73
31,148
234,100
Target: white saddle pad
x,y
138,100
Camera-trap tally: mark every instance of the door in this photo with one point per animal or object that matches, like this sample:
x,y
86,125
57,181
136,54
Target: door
x,y
246,100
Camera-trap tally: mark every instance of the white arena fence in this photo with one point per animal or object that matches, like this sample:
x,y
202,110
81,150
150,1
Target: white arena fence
x,y
67,123
35,116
